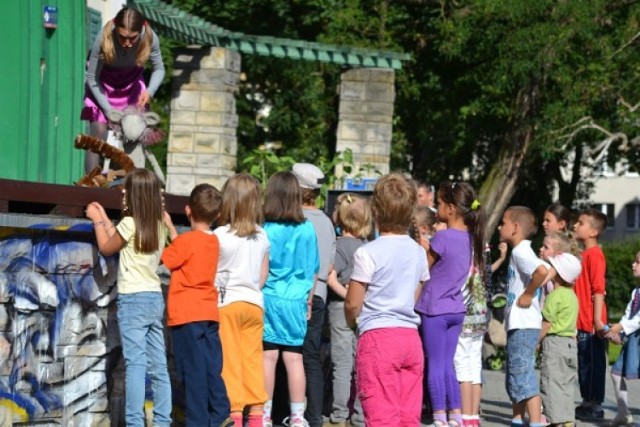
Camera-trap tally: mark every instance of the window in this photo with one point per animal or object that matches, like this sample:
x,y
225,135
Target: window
x,y
609,210
633,215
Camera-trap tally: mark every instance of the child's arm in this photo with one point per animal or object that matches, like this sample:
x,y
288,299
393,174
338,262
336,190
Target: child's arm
x,y
310,299
173,233
537,278
353,302
335,286
543,332
626,324
598,304
108,239
264,270
432,257
502,247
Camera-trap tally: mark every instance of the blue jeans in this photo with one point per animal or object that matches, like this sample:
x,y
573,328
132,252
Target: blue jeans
x,y
198,360
522,381
141,332
312,366
592,366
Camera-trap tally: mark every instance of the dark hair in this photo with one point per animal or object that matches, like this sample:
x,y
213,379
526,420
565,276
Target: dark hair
x,y
561,213
205,201
394,198
142,200
598,219
309,196
283,199
464,198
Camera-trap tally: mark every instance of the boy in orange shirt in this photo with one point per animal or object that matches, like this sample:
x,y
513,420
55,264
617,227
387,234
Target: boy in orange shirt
x,y
192,310
592,317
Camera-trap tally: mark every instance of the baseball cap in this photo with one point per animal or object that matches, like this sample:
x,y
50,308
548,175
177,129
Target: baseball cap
x,y
309,176
568,266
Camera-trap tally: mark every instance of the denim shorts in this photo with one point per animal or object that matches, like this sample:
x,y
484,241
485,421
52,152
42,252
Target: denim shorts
x,y
628,363
522,381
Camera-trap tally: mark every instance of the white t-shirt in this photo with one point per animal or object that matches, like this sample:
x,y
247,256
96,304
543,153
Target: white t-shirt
x,y
238,276
522,264
137,271
392,267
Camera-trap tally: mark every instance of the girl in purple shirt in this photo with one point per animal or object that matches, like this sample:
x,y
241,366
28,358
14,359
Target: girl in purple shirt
x,y
451,254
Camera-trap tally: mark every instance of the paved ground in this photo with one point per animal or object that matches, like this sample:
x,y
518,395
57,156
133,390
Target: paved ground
x,y
496,408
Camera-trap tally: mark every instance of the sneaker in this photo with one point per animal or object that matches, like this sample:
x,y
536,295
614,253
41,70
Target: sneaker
x,y
438,423
453,423
266,422
587,413
295,422
621,420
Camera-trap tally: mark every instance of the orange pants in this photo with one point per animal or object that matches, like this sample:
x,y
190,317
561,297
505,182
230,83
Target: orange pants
x,y
241,328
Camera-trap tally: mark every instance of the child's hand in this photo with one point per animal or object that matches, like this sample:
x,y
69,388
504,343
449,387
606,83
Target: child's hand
x,y
166,218
425,243
524,301
309,306
502,247
95,212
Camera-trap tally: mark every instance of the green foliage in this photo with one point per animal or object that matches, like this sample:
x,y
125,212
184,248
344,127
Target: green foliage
x,y
620,280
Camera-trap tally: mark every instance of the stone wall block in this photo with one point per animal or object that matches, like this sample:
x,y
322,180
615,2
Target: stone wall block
x,y
208,161
217,101
183,118
379,108
379,132
214,57
351,131
380,92
180,170
180,184
181,160
354,91
186,100
207,118
180,142
352,107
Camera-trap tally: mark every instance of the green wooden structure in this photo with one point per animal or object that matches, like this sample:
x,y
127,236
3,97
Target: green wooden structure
x,y
42,87
177,24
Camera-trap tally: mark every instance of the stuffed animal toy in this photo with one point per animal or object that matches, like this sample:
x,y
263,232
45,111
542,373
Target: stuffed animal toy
x,y
96,178
137,127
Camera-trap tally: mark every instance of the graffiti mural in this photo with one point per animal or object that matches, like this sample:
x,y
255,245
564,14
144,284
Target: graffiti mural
x,y
58,336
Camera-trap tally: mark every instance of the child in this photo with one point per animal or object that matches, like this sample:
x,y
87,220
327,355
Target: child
x,y
242,271
192,310
592,318
559,364
387,275
554,243
451,254
556,218
310,179
140,238
424,225
627,366
288,291
523,317
354,218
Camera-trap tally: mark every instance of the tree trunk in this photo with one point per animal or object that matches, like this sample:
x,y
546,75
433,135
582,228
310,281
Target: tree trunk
x,y
500,185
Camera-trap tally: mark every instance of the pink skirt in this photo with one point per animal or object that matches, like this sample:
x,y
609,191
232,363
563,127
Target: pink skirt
x,y
122,87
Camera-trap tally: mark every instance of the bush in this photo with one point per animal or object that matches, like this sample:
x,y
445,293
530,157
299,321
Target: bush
x,y
620,281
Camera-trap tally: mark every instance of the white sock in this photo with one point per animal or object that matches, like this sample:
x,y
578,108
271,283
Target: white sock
x,y
620,388
297,409
266,414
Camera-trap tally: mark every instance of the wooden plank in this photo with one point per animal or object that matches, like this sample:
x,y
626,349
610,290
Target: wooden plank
x,y
67,200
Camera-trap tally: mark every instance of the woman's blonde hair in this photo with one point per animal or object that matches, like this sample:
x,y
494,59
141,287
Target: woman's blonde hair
x,y
242,204
131,20
143,201
354,215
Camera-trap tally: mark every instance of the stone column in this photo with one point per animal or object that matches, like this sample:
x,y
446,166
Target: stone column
x,y
202,133
365,120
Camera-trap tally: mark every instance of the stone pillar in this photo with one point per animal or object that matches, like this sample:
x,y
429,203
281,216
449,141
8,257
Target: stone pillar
x,y
365,121
202,133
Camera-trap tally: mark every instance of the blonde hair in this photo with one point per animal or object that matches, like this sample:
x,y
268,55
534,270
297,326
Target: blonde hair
x,y
354,215
132,20
525,218
560,241
242,204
